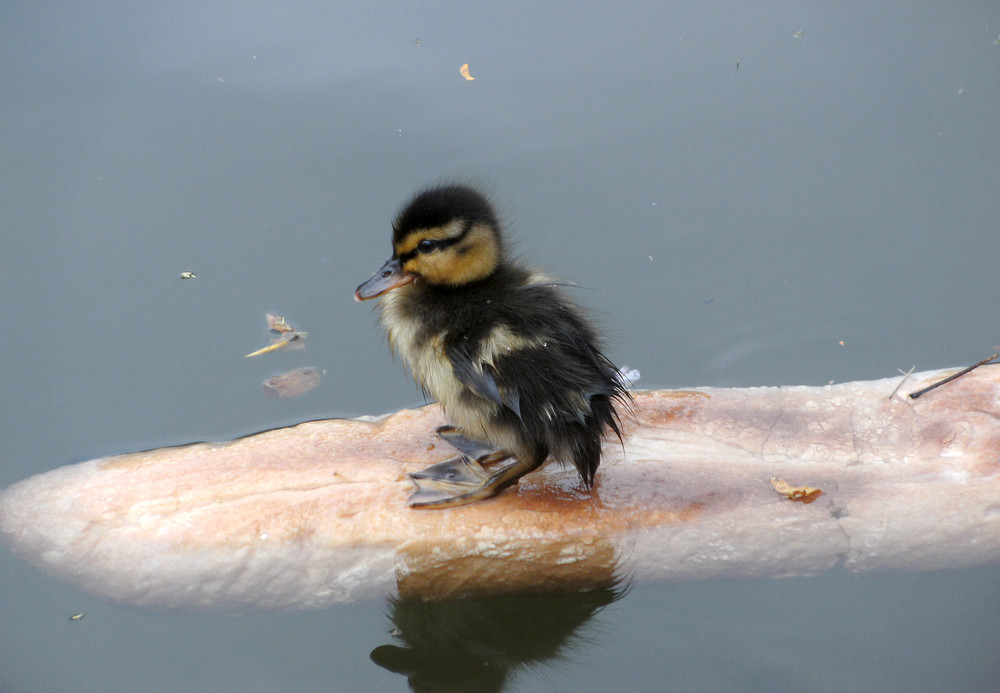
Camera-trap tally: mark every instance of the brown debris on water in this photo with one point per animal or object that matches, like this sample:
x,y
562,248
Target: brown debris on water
x,y
288,337
293,383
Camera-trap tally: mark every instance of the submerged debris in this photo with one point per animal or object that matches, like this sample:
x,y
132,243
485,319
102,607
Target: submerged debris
x,y
288,337
293,383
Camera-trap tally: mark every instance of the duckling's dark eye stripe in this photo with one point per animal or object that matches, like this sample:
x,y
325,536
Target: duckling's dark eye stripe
x,y
439,243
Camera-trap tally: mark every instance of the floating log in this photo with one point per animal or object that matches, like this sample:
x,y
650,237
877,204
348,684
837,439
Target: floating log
x,y
316,513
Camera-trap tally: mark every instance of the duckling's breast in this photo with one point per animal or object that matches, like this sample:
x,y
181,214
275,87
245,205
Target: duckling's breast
x,y
421,346
420,333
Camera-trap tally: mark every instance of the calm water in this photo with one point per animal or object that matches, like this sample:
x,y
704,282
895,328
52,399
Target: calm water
x,y
792,194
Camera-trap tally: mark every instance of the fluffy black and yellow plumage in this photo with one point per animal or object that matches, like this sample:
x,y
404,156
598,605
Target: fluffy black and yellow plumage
x,y
516,366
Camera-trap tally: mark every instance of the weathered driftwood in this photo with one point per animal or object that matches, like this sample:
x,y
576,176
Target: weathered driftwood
x,y
315,513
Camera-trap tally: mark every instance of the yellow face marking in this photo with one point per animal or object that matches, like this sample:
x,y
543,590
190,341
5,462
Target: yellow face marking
x,y
473,257
437,233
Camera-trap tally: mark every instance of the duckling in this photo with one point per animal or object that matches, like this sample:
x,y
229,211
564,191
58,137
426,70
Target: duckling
x,y
516,366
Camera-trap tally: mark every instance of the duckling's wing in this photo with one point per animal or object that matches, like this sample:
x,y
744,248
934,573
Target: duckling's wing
x,y
480,377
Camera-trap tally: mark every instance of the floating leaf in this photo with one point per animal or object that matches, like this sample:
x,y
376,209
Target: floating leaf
x,y
276,323
288,338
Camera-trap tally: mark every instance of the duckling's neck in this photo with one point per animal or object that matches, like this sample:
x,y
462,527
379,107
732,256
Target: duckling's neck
x,y
421,312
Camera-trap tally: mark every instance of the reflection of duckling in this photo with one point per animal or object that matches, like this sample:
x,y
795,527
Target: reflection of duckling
x,y
481,643
514,364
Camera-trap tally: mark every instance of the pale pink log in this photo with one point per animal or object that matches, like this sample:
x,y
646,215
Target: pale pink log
x,y
314,514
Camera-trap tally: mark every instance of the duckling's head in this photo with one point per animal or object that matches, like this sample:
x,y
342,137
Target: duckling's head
x,y
445,236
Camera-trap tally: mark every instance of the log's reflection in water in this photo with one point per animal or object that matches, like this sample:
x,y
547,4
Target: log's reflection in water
x,y
479,644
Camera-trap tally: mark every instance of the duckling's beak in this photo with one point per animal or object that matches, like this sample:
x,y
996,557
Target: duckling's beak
x,y
386,279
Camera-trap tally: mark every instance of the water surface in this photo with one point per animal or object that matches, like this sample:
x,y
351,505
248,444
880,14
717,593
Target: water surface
x,y
795,193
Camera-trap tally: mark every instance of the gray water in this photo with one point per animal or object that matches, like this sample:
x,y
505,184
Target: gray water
x,y
750,193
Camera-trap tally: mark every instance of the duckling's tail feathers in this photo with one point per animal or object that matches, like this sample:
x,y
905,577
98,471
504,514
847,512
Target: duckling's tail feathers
x,y
586,449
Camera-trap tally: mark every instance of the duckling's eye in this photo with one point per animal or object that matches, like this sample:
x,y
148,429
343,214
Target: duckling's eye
x,y
426,246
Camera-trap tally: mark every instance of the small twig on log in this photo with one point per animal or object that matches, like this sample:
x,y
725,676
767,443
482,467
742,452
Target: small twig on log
x,y
914,395
905,376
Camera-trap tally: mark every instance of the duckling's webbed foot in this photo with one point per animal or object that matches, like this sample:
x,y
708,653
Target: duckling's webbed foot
x,y
441,483
453,435
463,480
